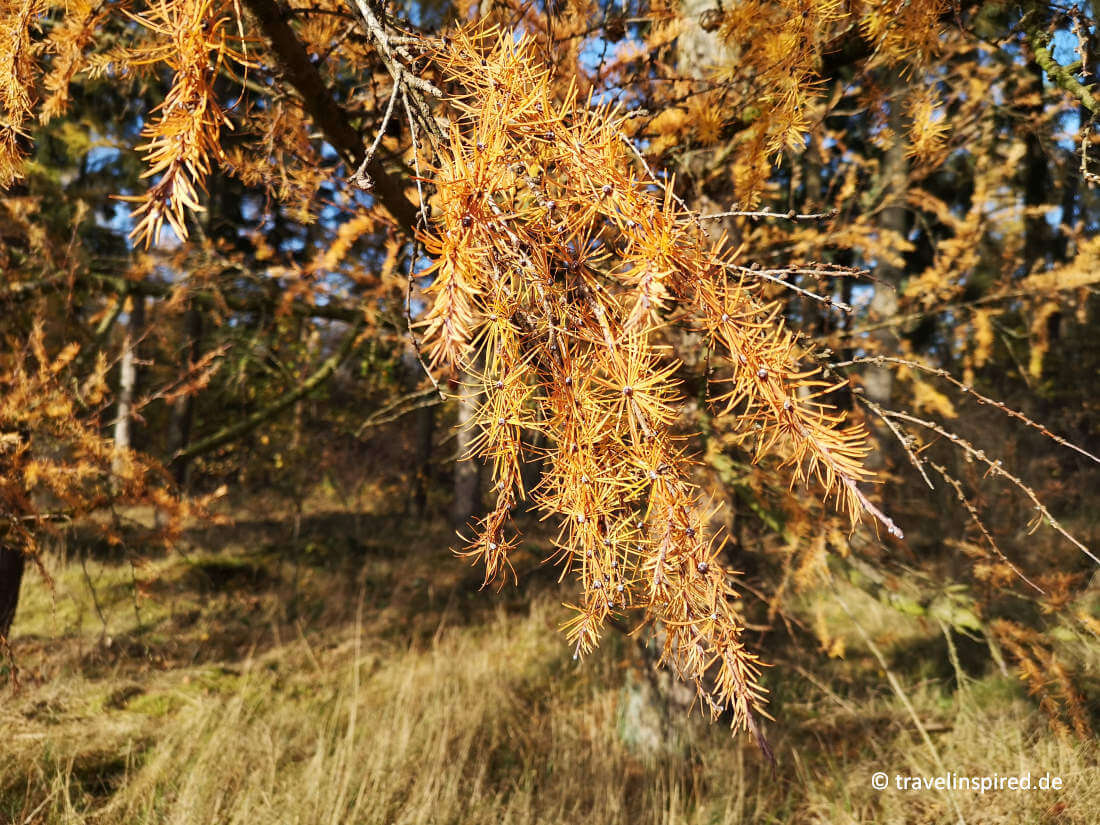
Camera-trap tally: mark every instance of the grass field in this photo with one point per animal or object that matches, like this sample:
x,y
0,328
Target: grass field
x,y
361,676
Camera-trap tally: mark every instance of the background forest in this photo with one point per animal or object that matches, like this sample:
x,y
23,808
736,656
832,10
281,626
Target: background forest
x,y
750,347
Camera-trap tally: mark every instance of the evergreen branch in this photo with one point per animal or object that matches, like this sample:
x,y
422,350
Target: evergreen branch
x,y
251,422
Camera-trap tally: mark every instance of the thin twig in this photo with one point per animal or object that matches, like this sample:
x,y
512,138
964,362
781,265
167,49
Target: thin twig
x,y
396,408
415,247
361,178
416,156
880,360
865,502
913,457
772,275
654,177
389,52
976,518
767,213
997,469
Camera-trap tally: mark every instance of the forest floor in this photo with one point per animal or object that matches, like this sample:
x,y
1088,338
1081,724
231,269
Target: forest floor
x,y
358,674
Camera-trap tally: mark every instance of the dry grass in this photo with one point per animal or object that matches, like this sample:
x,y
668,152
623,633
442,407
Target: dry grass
x,y
367,686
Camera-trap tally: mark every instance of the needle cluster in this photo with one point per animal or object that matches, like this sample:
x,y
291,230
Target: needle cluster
x,y
184,136
559,262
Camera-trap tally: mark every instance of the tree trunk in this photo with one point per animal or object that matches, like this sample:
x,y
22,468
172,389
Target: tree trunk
x,y
1065,247
127,385
894,177
425,434
12,563
183,413
1037,183
467,493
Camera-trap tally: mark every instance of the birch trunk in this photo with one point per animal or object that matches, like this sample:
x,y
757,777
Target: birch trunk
x,y
878,382
127,385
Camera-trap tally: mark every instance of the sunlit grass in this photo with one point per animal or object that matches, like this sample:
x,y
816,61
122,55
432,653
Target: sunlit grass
x,y
394,692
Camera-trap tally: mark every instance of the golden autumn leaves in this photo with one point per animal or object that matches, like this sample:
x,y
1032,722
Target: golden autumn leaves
x,y
559,263
16,82
192,38
183,137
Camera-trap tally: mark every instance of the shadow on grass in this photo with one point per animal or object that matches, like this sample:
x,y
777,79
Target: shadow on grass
x,y
234,591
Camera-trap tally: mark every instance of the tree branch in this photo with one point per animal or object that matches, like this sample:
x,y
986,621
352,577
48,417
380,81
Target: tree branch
x,y
300,72
25,290
1038,39
397,408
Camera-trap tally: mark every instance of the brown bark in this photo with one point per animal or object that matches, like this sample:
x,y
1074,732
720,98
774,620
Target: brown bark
x,y
425,433
1037,183
12,563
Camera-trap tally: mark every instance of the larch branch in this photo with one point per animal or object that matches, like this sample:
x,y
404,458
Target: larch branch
x,y
300,72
